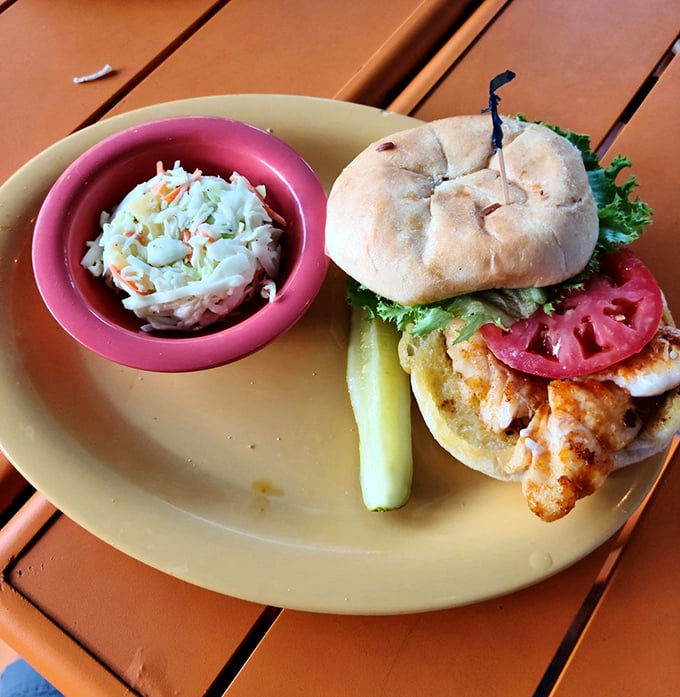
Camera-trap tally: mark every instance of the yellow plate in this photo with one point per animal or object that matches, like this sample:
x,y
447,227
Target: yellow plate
x,y
244,479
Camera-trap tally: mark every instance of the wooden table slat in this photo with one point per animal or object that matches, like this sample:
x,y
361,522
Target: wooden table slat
x,y
44,45
359,51
498,647
572,62
356,51
35,636
407,47
80,609
438,66
12,484
638,620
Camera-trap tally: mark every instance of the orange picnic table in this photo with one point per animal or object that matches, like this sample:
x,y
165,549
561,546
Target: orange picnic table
x,y
99,603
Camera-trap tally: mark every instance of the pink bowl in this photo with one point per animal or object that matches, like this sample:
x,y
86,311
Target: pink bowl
x,y
99,179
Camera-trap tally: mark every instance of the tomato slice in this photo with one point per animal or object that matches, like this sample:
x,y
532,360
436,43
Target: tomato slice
x,y
613,317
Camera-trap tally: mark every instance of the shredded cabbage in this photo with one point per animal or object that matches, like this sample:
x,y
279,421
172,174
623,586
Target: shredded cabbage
x,y
188,248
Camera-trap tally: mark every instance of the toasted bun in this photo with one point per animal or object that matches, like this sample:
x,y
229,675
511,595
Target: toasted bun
x,y
662,424
657,433
409,216
455,425
458,429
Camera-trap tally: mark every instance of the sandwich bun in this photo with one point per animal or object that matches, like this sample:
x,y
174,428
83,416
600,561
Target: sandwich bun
x,y
451,419
416,217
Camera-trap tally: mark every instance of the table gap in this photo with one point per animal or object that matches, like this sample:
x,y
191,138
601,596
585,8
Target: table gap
x,y
6,5
17,503
450,54
586,611
639,96
244,652
471,6
145,71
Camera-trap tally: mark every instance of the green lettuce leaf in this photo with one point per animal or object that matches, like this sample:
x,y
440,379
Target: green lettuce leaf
x,y
500,307
622,218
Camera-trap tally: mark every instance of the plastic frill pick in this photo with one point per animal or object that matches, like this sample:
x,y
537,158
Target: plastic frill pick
x,y
496,122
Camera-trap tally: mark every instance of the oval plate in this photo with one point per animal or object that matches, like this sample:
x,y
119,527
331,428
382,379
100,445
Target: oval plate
x,y
244,479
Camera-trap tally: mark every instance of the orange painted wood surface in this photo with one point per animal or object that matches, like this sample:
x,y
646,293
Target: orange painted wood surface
x,y
44,45
305,47
577,63
355,51
156,634
12,484
632,645
638,621
498,647
41,642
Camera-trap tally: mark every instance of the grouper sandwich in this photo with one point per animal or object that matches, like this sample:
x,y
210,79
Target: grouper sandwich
x,y
540,349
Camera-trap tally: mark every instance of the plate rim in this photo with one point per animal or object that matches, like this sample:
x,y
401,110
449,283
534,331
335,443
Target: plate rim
x,y
15,445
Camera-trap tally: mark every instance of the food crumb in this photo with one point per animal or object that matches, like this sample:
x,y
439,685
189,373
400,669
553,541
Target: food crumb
x,y
264,486
93,76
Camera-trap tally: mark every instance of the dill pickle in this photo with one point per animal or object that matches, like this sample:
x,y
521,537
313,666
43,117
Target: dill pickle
x,y
380,395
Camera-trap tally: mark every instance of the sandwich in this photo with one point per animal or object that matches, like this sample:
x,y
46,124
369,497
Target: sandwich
x,y
540,349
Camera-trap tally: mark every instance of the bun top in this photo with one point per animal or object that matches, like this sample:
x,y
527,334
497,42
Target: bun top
x,y
420,215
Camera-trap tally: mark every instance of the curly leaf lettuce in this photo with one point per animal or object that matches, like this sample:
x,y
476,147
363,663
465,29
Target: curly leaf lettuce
x,y
622,218
500,307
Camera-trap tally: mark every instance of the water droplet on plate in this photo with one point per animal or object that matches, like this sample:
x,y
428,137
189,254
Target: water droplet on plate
x,y
541,561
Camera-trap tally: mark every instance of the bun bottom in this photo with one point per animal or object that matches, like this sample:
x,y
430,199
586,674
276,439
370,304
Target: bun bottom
x,y
656,435
456,425
453,422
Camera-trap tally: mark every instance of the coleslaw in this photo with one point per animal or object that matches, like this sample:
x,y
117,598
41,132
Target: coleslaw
x,y
188,248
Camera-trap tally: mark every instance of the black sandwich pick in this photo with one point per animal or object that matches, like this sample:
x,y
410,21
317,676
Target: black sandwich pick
x,y
496,122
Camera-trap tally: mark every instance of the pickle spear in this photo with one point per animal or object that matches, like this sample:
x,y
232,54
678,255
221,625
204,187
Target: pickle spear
x,y
380,395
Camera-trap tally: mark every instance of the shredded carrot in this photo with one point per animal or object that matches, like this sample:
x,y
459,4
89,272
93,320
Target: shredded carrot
x,y
270,211
172,195
134,234
186,236
130,284
273,214
204,232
